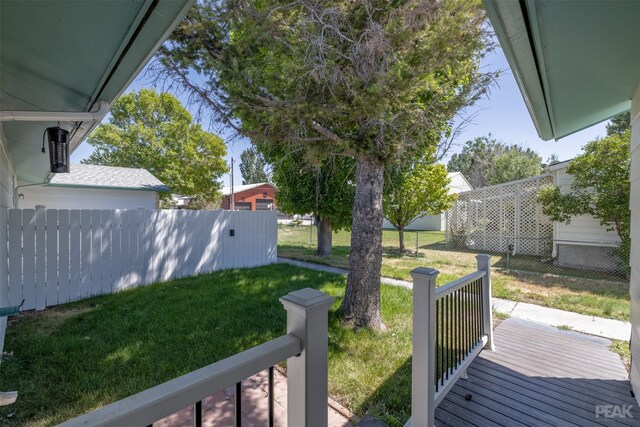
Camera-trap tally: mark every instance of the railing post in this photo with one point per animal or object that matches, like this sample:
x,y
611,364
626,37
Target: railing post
x,y
424,347
307,373
484,264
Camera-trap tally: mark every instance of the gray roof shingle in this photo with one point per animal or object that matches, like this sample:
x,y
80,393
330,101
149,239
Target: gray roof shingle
x,y
108,177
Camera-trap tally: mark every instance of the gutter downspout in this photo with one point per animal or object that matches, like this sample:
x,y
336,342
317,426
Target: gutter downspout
x,y
16,195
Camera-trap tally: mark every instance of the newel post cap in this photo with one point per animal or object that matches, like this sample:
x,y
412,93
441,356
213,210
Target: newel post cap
x,y
483,257
306,301
424,273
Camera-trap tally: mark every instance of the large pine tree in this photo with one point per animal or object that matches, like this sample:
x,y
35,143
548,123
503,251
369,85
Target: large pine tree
x,y
371,80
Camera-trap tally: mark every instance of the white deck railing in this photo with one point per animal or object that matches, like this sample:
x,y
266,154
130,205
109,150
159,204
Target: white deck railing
x,y
304,347
451,326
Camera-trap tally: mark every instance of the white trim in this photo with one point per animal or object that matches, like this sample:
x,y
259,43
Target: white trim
x,y
505,184
560,165
55,116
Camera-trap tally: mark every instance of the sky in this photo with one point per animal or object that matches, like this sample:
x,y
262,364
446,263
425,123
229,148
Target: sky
x,y
502,113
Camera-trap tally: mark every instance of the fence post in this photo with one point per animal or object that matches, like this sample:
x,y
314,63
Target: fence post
x,y
307,394
484,264
424,347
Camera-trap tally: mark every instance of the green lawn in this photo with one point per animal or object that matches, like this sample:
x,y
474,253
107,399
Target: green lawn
x,y
527,280
80,356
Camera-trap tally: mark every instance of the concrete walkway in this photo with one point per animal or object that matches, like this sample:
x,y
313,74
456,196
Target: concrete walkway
x,y
608,328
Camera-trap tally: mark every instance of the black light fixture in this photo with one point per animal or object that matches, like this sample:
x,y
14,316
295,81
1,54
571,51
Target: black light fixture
x,y
58,149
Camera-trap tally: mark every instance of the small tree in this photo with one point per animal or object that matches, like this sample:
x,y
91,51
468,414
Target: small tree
x,y
600,188
414,190
252,167
326,190
154,131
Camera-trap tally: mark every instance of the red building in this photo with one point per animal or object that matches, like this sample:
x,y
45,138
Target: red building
x,y
250,197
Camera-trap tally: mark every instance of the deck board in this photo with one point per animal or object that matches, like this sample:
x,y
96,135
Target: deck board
x,y
539,376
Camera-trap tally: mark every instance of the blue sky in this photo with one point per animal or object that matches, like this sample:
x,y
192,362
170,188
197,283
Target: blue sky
x,y
502,113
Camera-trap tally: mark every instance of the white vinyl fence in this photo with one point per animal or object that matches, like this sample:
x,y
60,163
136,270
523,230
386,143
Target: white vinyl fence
x,y
57,255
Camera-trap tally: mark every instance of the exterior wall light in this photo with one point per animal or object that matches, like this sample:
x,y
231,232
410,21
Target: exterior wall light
x,y
58,149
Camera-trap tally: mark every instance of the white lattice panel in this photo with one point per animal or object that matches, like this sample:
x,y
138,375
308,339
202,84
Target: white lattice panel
x,y
493,218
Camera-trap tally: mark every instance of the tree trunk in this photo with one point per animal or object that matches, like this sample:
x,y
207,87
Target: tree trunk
x,y
325,236
361,303
401,238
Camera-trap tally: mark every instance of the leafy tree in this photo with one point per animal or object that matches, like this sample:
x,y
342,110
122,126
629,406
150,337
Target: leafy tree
x,y
515,163
485,161
252,167
600,188
154,131
417,189
326,190
619,124
370,80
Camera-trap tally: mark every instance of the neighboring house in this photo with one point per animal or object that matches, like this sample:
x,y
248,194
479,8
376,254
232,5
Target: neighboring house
x,y
578,64
583,243
95,187
250,197
69,72
437,222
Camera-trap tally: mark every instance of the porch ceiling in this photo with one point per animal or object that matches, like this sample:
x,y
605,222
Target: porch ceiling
x,y
577,63
67,55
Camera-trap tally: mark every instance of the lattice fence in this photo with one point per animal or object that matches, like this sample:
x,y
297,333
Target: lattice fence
x,y
501,218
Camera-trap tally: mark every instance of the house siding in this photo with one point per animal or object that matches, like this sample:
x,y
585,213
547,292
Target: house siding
x,y
634,288
86,198
7,185
582,228
422,223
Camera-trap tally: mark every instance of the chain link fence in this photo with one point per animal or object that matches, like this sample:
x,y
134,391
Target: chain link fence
x,y
585,259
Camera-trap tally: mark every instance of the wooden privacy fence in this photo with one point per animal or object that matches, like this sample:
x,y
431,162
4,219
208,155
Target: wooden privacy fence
x,y
57,255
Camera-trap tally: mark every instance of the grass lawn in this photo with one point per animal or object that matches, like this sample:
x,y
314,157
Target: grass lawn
x,y
80,356
526,281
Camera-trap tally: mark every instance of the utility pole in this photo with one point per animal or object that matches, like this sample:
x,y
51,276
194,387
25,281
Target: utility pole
x,y
232,202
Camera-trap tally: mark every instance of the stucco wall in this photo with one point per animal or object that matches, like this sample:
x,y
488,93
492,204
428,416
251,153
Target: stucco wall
x,y
7,184
85,198
635,243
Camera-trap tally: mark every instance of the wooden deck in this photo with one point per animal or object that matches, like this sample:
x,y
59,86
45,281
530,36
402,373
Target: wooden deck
x,y
539,376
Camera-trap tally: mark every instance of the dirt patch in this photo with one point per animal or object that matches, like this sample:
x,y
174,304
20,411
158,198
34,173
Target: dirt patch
x,y
50,319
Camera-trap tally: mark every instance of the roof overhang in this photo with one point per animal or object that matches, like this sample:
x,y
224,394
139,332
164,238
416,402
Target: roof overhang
x,y
577,63
68,55
107,187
